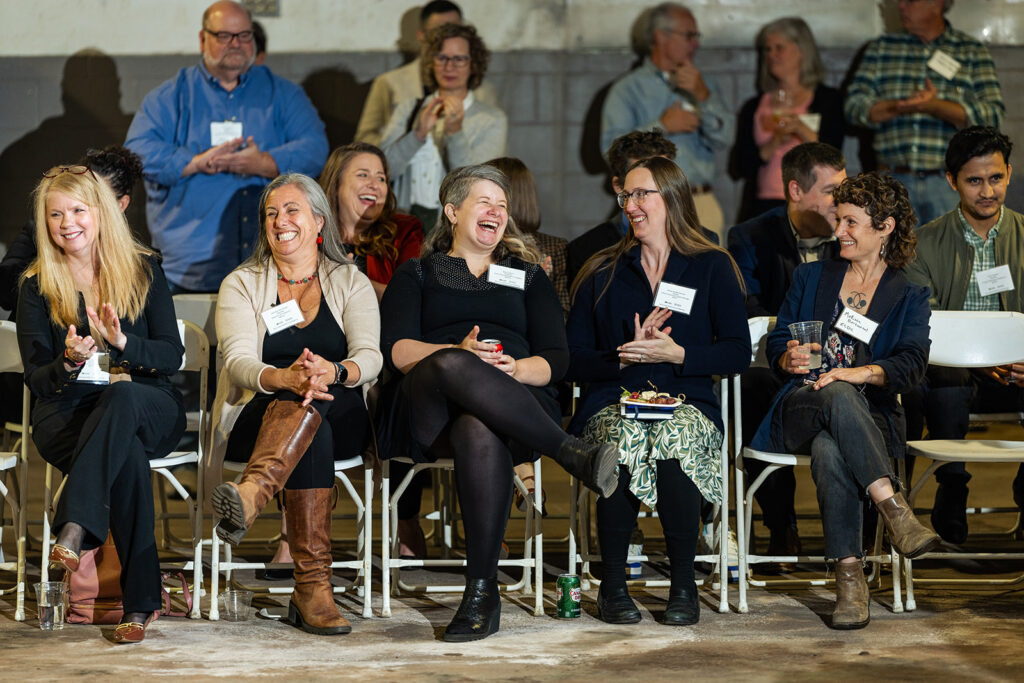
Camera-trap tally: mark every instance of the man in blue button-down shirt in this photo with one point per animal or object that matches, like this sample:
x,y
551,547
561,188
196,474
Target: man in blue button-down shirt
x,y
668,92
210,139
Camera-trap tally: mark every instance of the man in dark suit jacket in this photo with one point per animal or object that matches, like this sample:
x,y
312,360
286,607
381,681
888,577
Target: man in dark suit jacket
x,y
767,249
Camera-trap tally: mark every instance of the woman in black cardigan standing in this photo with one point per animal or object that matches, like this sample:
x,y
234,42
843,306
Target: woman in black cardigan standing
x,y
793,106
99,340
689,295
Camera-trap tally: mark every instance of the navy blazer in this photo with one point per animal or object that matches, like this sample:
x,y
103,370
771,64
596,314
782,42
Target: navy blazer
x,y
714,334
765,250
899,344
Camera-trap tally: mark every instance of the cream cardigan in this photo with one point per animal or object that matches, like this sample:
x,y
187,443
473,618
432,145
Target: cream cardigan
x,y
248,291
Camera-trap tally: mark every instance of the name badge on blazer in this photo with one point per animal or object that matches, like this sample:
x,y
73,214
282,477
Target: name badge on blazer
x,y
96,370
282,316
507,277
858,326
674,297
995,280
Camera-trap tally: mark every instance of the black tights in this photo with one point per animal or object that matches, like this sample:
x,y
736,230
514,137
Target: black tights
x,y
679,511
468,410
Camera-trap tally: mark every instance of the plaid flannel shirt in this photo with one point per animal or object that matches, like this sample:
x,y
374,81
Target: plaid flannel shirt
x,y
984,259
894,67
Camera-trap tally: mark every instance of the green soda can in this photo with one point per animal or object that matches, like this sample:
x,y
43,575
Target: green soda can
x,y
569,594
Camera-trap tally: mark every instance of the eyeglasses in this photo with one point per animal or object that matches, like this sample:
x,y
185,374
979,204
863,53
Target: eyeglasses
x,y
637,196
224,37
73,170
688,35
460,61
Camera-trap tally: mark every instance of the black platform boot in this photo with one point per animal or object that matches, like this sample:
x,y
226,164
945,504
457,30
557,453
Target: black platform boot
x,y
479,613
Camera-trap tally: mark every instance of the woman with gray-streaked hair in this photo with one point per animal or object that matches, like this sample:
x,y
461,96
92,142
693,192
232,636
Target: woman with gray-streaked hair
x,y
299,331
793,106
473,332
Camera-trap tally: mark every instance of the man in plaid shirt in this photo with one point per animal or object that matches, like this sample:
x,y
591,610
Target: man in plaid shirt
x,y
973,260
915,89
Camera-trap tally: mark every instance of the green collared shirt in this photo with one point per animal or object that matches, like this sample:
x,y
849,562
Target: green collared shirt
x,y
984,259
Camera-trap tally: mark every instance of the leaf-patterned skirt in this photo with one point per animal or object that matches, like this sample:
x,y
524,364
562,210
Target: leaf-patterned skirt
x,y
688,436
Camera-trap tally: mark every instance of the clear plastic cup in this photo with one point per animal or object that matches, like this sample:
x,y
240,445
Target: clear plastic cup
x,y
806,333
235,605
52,599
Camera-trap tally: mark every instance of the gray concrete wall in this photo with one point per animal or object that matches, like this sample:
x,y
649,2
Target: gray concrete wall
x,y
53,108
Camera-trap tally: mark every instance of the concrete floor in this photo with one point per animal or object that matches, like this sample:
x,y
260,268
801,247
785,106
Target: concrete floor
x,y
966,634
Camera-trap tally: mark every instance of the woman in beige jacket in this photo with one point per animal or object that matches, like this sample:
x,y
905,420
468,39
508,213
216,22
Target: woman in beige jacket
x,y
299,329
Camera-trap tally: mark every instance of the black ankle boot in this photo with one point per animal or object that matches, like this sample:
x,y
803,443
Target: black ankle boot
x,y
614,606
479,613
596,466
683,606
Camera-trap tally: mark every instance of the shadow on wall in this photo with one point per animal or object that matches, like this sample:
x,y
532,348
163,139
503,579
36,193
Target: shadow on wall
x,y
338,98
91,97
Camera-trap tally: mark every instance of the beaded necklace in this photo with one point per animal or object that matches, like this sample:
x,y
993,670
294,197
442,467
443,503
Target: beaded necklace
x,y
303,281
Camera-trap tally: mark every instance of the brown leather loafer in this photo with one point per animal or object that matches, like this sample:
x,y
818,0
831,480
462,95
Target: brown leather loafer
x,y
132,631
62,557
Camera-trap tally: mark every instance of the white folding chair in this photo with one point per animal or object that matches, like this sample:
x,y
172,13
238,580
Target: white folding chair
x,y
533,541
196,359
14,472
363,564
968,339
580,499
759,329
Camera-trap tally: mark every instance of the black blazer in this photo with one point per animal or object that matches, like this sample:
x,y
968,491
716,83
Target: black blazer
x,y
765,250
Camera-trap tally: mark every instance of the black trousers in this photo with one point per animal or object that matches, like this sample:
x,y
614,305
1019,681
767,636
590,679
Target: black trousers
x,y
103,443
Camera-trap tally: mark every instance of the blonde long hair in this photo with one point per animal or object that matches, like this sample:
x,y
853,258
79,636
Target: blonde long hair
x,y
683,226
122,272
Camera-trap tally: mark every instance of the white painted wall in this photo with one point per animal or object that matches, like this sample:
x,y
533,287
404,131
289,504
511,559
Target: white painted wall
x,y
152,27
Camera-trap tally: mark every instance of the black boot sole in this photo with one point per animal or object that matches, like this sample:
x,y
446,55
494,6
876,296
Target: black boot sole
x,y
228,505
491,629
296,620
606,469
928,546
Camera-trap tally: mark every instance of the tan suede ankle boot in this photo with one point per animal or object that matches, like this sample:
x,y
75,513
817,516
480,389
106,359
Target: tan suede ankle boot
x,y
852,597
907,535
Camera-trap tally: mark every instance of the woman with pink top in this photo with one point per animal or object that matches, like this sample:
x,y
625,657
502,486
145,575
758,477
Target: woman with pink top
x,y
793,106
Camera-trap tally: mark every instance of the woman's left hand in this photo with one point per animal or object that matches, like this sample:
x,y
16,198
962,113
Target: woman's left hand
x,y
453,114
857,376
108,325
506,364
658,347
318,366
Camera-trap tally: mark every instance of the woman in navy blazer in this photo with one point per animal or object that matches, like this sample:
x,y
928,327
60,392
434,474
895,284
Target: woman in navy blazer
x,y
667,463
845,414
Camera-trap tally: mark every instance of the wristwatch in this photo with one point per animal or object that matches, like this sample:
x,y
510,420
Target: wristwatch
x,y
340,373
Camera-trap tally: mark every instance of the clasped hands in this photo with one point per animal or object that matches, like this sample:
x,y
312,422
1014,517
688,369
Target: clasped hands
x,y
651,343
241,156
443,105
308,376
488,353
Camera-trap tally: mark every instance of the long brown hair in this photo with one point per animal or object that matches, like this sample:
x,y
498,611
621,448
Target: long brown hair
x,y
682,225
379,238
122,272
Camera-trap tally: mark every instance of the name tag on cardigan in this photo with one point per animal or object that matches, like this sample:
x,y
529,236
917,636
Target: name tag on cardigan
x,y
995,280
224,131
674,297
858,326
96,370
946,66
282,316
508,277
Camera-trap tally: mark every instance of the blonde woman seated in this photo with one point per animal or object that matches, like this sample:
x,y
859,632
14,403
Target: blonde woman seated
x,y
94,295
299,329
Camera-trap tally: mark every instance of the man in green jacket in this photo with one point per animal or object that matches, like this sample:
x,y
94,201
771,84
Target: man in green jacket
x,y
973,260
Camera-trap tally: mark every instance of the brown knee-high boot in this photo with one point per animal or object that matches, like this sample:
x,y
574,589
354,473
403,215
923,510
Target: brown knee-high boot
x,y
312,606
287,430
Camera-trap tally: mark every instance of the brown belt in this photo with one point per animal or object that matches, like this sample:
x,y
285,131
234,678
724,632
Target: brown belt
x,y
700,189
906,170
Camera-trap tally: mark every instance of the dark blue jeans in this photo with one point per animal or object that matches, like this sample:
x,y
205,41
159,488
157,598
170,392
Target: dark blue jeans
x,y
847,445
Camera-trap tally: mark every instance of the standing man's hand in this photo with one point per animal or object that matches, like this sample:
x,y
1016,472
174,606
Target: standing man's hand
x,y
248,160
675,119
206,162
689,78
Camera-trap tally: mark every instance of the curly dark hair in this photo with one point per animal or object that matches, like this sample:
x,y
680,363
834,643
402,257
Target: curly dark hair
x,y
479,55
118,165
882,197
632,147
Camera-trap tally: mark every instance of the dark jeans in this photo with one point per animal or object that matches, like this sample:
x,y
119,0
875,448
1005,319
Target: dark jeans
x,y
103,444
944,400
847,445
775,495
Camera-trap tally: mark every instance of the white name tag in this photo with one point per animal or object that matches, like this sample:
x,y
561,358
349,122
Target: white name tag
x,y
674,297
858,326
945,65
995,280
812,121
223,131
507,277
282,316
96,370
